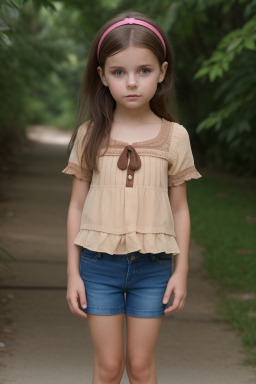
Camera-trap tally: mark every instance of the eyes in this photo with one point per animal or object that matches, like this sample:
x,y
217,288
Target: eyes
x,y
121,73
118,73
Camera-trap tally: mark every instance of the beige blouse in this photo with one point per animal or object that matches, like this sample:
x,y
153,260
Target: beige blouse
x,y
127,208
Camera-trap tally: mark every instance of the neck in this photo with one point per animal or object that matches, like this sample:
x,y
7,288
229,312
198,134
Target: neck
x,y
133,116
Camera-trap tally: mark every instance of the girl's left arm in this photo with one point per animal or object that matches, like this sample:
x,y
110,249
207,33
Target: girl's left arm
x,y
178,281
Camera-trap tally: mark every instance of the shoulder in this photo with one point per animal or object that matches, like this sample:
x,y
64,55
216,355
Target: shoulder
x,y
179,143
179,131
176,130
83,131
178,135
83,128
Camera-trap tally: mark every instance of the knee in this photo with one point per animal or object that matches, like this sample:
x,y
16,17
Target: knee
x,y
140,371
109,371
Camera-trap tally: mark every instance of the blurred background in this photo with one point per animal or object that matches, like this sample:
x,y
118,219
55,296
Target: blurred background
x,y
43,54
44,46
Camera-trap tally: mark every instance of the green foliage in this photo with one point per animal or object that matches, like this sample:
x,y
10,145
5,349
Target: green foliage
x,y
30,59
44,44
215,78
233,119
48,4
229,48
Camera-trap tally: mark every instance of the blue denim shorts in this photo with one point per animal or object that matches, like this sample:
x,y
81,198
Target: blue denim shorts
x,y
142,277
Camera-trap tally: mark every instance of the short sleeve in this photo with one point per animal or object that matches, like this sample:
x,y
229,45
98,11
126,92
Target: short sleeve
x,y
74,162
181,165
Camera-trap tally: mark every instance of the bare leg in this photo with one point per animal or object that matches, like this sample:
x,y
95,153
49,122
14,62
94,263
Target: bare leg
x,y
107,337
142,337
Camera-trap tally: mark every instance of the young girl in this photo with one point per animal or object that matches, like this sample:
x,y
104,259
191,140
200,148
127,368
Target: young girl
x,y
128,215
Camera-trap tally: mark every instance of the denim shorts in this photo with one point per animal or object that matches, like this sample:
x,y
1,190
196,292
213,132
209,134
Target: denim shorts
x,y
143,278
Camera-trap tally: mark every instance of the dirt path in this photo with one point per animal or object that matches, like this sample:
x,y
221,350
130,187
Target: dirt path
x,y
45,342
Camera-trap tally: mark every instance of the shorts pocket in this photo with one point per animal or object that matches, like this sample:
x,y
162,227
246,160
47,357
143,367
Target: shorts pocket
x,y
89,255
163,257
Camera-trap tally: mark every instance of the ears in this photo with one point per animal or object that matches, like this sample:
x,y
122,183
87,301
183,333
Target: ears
x,y
163,70
101,75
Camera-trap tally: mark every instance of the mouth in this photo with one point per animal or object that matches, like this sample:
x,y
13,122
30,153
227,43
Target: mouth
x,y
132,96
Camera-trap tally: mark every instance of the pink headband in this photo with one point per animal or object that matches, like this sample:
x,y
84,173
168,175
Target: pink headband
x,y
131,21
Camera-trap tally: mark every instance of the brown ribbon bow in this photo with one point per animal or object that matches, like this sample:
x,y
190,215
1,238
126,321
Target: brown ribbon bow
x,y
135,162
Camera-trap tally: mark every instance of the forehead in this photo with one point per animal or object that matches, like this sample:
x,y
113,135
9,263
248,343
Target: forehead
x,y
132,56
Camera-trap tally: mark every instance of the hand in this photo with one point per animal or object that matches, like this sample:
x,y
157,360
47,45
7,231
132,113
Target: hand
x,y
76,293
178,285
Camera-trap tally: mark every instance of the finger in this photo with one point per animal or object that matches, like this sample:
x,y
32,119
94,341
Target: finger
x,y
75,308
82,298
78,310
178,308
183,302
167,295
175,305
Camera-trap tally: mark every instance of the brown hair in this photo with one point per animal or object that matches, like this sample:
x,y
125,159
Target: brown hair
x,y
96,102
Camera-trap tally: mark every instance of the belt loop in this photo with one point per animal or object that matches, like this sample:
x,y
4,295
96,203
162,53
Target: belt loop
x,y
153,256
99,255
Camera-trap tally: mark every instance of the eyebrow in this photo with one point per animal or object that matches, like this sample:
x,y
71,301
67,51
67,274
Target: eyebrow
x,y
140,66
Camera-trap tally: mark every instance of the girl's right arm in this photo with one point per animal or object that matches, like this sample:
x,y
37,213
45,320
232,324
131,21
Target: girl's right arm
x,y
75,284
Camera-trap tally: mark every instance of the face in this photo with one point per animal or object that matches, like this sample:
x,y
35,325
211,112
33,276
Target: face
x,y
132,76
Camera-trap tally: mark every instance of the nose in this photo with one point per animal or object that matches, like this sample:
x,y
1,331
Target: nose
x,y
131,80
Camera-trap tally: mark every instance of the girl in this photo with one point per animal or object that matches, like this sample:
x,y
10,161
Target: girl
x,y
128,215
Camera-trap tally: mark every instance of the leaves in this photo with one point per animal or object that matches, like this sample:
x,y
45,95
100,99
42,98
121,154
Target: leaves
x,y
48,4
214,52
249,43
228,49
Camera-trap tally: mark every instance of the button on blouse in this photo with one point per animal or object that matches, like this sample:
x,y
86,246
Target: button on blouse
x,y
135,162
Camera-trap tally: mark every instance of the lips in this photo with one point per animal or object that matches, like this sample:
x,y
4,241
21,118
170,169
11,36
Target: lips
x,y
133,96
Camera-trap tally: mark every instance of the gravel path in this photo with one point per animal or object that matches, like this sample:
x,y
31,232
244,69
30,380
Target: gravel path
x,y
44,342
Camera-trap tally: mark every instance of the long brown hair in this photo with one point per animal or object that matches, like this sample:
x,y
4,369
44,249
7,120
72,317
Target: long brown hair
x,y
96,103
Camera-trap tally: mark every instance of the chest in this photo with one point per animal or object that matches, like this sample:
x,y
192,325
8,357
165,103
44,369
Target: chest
x,y
130,164
152,172
130,136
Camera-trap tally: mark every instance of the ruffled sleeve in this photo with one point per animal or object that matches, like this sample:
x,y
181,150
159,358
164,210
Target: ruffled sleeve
x,y
74,166
181,165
